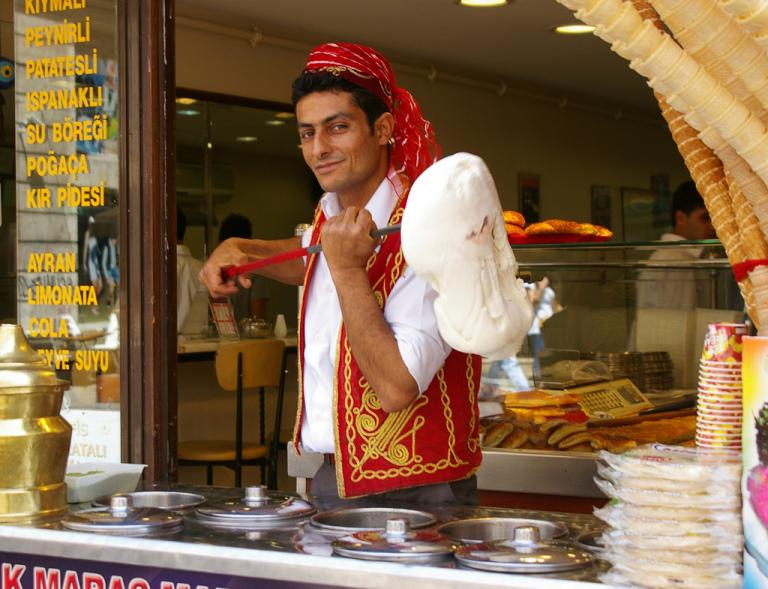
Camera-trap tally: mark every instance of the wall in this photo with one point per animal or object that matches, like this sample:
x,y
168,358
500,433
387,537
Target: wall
x,y
570,149
275,194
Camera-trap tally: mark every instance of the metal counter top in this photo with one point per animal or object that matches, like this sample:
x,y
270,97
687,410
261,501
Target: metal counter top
x,y
290,555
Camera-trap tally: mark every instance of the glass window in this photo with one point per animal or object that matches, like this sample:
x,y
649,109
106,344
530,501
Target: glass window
x,y
67,171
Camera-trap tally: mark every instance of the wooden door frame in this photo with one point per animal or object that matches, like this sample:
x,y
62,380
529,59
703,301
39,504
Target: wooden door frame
x,y
147,236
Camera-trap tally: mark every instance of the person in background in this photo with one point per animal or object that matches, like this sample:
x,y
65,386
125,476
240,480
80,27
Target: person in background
x,y
679,289
390,406
191,295
246,302
92,261
110,262
543,298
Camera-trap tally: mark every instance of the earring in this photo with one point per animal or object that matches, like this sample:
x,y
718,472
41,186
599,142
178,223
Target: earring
x,y
391,141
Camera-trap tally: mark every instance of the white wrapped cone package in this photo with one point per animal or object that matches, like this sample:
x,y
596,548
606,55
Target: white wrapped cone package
x,y
453,236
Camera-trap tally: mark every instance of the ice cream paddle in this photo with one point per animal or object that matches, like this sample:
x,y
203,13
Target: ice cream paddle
x,y
233,271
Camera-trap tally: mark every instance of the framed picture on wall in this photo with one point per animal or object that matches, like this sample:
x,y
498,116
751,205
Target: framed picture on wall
x,y
528,187
640,220
601,205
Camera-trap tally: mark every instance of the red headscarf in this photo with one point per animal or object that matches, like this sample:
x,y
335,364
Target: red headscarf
x,y
415,147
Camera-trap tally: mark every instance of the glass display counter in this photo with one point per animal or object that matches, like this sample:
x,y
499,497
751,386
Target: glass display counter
x,y
599,301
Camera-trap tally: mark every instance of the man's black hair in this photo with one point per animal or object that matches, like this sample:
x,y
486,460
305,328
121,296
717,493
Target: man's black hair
x,y
309,82
181,224
235,225
686,199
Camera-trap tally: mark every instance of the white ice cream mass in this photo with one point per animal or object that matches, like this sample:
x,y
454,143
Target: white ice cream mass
x,y
453,236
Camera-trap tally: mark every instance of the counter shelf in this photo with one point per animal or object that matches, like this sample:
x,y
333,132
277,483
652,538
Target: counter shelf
x,y
234,558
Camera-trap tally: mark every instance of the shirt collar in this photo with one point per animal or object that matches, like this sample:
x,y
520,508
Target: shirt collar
x,y
182,250
380,205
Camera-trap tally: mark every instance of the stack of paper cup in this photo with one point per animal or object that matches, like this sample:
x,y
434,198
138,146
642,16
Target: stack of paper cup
x,y
718,421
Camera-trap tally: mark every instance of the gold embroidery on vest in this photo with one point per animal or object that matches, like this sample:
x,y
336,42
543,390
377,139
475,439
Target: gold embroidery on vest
x,y
393,439
473,441
371,260
397,269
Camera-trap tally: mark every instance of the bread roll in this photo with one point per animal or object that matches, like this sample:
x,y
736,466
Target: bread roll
x,y
564,431
540,229
496,433
551,424
562,226
514,440
513,218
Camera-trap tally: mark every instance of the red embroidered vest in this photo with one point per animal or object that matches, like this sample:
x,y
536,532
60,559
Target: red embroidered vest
x,y
434,440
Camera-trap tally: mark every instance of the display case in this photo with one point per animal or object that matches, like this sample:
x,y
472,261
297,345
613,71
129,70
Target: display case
x,y
654,299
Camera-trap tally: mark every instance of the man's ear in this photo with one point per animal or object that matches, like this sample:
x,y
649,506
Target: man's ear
x,y
680,218
384,128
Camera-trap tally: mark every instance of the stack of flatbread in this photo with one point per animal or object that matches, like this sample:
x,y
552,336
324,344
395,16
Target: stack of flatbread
x,y
673,519
708,63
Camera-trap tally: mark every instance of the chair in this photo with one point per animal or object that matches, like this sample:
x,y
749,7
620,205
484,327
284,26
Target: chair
x,y
244,365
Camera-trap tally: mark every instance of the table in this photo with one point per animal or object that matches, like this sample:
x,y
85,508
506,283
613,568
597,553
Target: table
x,y
196,349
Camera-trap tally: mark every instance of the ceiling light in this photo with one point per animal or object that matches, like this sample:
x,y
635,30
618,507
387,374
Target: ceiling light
x,y
483,3
574,29
284,115
247,139
186,101
188,112
275,122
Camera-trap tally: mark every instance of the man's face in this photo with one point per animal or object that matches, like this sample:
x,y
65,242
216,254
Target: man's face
x,y
338,144
696,225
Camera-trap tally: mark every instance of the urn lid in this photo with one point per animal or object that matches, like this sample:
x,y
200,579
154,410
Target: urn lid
x,y
20,365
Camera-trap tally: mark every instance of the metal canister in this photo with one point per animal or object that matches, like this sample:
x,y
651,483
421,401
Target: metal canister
x,y
34,438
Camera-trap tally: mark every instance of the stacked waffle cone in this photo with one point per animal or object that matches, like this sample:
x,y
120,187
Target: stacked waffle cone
x,y
710,74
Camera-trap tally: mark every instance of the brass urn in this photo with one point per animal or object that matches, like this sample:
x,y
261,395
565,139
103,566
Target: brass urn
x,y
34,438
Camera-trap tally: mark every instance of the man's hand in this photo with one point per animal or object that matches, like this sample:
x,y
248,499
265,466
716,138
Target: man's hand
x,y
346,240
229,253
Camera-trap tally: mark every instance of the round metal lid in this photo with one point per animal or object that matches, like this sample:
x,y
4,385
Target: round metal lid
x,y
525,553
257,506
122,518
168,500
349,521
397,543
490,529
20,365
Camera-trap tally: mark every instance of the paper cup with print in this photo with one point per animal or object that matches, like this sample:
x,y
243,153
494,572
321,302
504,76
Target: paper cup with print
x,y
722,342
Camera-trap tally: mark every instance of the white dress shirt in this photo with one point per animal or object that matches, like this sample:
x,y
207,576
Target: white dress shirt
x,y
409,311
191,295
672,289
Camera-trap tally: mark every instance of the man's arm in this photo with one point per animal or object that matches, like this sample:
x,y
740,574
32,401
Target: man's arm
x,y
237,251
347,244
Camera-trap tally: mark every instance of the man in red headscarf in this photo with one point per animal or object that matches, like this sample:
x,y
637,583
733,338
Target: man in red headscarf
x,y
389,404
